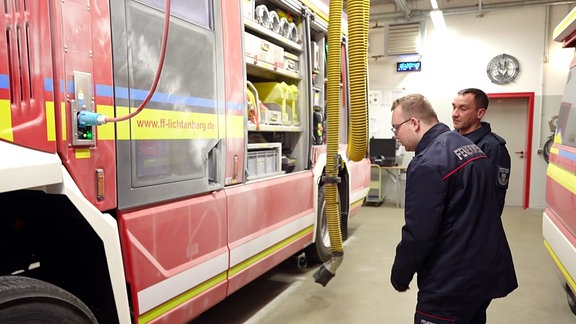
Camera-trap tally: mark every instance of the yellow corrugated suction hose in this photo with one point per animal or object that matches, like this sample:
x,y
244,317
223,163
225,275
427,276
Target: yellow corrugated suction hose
x,y
358,19
331,179
358,22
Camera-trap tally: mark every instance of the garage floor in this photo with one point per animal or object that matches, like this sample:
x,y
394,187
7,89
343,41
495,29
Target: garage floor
x,y
361,293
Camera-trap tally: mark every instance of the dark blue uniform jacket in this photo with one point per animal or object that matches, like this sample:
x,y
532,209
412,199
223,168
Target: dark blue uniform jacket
x,y
494,147
453,237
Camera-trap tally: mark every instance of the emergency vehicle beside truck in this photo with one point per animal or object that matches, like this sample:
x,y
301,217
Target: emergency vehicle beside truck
x,y
217,180
559,218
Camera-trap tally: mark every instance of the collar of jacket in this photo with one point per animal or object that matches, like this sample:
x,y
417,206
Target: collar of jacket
x,y
476,135
431,134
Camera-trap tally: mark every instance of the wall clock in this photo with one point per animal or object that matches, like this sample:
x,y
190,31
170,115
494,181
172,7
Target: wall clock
x,y
503,69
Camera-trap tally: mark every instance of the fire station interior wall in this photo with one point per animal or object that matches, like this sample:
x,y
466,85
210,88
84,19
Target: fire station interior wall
x,y
457,58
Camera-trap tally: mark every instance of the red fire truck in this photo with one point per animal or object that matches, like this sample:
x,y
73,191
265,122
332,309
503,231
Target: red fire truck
x,y
154,161
559,218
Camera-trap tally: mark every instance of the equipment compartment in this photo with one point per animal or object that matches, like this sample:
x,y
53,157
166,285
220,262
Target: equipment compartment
x,y
264,160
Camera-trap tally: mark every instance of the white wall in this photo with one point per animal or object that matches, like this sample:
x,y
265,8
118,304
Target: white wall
x,y
457,58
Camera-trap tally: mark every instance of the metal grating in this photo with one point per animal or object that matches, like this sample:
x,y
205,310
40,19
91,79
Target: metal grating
x,y
402,39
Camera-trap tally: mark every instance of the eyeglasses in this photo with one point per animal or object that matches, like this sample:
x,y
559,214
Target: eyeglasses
x,y
395,128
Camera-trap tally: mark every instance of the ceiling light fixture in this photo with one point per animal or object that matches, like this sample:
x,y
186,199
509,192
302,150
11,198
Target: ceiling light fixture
x,y
438,19
437,16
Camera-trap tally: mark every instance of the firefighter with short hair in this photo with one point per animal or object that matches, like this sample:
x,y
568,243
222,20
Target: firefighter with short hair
x,y
453,237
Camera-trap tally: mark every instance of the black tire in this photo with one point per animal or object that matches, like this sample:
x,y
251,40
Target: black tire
x,y
571,299
546,149
320,251
31,301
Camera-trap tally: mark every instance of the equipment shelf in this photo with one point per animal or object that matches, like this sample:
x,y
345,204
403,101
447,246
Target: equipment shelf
x,y
270,35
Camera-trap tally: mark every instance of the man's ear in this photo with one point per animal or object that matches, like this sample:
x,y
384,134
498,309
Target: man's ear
x,y
415,123
480,113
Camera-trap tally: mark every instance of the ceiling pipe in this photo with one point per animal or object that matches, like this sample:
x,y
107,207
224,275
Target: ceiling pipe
x,y
480,13
548,37
468,10
404,7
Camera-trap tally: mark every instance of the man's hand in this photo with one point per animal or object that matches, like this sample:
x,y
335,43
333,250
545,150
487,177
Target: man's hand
x,y
399,287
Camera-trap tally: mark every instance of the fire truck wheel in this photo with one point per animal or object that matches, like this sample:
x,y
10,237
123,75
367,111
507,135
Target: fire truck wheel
x,y
27,300
320,252
571,299
546,149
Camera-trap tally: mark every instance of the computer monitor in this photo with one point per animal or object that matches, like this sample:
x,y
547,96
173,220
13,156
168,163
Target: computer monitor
x,y
383,148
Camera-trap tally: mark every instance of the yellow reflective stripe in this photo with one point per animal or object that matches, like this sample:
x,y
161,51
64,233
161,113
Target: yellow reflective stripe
x,y
223,128
6,121
182,298
565,23
50,122
560,266
123,127
63,123
565,178
83,153
235,127
256,258
161,124
106,131
153,124
558,138
357,203
554,150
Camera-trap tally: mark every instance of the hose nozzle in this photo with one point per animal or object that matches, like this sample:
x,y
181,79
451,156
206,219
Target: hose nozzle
x,y
327,270
323,275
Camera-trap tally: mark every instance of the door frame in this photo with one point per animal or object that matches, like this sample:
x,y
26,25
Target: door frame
x,y
529,130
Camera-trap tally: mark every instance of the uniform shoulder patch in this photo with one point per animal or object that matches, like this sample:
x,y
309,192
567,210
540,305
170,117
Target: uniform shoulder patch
x,y
503,176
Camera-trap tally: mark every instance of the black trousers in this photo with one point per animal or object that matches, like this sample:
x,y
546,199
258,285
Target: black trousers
x,y
451,313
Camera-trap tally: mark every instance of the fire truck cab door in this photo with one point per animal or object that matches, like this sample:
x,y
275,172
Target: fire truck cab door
x,y
173,148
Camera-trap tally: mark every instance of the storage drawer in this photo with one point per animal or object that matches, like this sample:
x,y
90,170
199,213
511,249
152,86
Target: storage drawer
x,y
264,159
258,49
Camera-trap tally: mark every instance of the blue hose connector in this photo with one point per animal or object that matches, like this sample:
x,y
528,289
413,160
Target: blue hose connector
x,y
88,118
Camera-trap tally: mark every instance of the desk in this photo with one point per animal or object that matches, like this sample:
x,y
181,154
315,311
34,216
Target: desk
x,y
376,193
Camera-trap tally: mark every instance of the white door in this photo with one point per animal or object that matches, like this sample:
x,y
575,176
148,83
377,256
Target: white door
x,y
507,117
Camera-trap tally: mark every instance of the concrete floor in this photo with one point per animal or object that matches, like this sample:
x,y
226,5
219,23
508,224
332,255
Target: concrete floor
x,y
361,292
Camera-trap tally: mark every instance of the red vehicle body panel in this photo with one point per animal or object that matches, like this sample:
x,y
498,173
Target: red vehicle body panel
x,y
29,107
87,49
233,65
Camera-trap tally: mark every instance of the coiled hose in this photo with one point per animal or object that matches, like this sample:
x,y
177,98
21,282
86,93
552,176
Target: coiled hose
x,y
358,22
